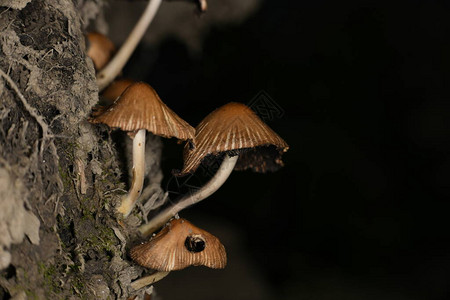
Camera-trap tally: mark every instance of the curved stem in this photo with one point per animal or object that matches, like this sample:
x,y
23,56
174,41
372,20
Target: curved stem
x,y
213,185
144,281
129,200
107,74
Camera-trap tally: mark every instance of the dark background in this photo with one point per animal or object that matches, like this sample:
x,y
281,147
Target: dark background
x,y
360,210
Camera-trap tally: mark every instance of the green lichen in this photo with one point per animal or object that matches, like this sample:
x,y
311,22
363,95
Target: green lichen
x,y
104,240
87,207
65,177
64,172
78,286
50,274
19,288
31,294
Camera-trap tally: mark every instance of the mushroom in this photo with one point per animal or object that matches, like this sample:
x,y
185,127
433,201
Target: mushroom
x,y
110,94
115,89
235,132
106,75
148,280
139,108
178,245
100,49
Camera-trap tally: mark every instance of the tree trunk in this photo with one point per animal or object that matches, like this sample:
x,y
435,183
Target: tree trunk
x,y
60,176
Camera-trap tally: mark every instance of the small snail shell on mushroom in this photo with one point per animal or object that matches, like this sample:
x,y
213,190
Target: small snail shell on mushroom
x,y
178,245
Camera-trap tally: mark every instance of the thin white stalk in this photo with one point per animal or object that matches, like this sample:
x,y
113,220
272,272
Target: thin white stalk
x,y
107,74
151,279
207,190
129,200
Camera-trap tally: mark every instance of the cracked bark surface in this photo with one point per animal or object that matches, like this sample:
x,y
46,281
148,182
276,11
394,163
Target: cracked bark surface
x,y
60,176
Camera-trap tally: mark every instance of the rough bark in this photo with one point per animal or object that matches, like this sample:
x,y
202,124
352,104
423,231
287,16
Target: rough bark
x,y
59,175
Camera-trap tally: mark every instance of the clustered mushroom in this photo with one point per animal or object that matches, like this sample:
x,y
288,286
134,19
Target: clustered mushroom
x,y
235,132
232,134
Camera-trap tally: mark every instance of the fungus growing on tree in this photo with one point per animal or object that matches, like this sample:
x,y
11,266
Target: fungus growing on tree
x,y
235,133
100,49
115,89
138,109
110,94
178,245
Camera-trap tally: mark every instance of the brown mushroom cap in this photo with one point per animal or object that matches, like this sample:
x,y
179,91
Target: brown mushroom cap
x,y
110,94
235,126
115,89
179,245
139,107
100,49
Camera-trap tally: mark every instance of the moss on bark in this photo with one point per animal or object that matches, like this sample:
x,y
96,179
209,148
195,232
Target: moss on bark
x,y
59,175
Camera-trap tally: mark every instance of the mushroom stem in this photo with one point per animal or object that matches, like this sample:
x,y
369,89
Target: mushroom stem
x,y
144,281
107,74
213,185
129,200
